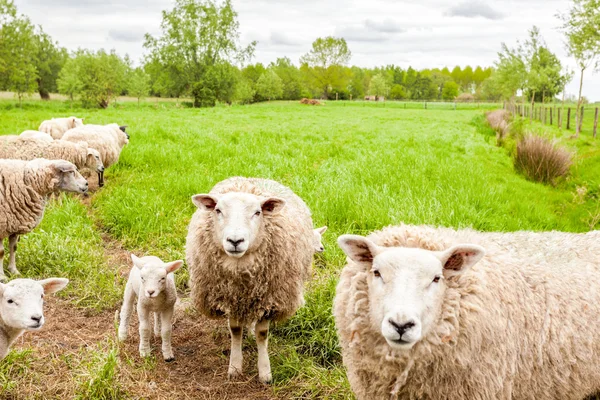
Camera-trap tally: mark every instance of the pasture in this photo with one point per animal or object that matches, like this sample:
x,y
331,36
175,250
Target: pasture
x,y
358,167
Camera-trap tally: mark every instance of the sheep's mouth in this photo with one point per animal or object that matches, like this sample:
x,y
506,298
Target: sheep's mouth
x,y
400,344
35,327
235,253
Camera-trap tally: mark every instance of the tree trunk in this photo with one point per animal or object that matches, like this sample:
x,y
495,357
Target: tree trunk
x,y
577,115
532,106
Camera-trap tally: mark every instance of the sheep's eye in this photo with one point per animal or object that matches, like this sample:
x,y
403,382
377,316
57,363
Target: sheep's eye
x,y
376,274
162,279
10,301
42,295
436,279
217,211
257,213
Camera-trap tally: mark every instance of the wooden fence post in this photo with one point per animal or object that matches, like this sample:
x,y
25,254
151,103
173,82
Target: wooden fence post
x,y
558,120
550,116
596,122
426,105
581,120
568,118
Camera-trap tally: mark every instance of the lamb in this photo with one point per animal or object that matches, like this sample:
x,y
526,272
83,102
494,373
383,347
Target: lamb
x,y
318,236
109,140
19,148
420,314
36,135
24,190
22,307
249,249
56,127
152,282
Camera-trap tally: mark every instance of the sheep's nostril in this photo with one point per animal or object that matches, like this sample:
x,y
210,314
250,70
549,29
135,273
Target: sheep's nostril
x,y
151,292
401,328
36,318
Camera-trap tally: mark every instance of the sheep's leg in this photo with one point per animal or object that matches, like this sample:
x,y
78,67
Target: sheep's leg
x,y
4,345
262,339
126,310
166,322
100,179
2,276
144,317
12,258
157,329
235,358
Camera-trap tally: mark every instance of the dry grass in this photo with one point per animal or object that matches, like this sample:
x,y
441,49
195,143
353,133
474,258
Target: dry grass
x,y
310,102
465,98
541,160
499,120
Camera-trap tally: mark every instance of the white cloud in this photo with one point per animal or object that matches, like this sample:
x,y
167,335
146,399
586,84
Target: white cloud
x,y
474,8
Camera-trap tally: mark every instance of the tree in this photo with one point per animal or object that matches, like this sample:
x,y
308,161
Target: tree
x,y
138,84
398,92
379,86
244,92
50,58
325,61
290,77
581,26
269,85
199,37
511,72
68,80
450,90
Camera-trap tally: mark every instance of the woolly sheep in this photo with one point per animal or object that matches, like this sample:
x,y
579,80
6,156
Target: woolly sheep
x,y
416,321
36,135
56,127
22,307
152,282
19,148
249,249
24,189
318,237
109,140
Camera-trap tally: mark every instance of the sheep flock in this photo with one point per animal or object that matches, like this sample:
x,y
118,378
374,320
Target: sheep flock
x,y
421,312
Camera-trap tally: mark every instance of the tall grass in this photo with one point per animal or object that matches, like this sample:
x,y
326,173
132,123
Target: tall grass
x,y
541,160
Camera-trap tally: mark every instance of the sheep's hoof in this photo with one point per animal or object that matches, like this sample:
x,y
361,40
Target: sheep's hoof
x,y
267,379
234,373
170,359
101,184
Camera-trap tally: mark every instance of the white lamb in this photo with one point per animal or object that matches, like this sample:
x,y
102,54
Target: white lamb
x,y
421,315
22,307
56,127
152,282
36,135
318,233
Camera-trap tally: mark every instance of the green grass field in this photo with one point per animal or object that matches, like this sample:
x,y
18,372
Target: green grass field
x,y
359,168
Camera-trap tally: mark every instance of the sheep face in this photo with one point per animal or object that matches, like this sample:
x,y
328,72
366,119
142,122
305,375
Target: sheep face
x,y
238,219
153,274
94,161
76,122
407,285
70,180
22,301
318,236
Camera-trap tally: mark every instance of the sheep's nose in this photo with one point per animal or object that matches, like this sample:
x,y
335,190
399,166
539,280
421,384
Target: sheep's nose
x,y
101,169
37,318
150,292
401,328
234,242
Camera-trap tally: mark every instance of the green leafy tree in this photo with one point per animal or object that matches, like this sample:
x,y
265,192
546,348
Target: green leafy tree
x,y
138,84
244,91
50,59
325,61
379,86
290,77
68,81
199,37
450,90
398,92
269,85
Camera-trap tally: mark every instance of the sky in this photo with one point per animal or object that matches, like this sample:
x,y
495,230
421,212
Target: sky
x,y
423,34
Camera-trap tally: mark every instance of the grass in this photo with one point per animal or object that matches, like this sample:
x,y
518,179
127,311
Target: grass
x,y
358,166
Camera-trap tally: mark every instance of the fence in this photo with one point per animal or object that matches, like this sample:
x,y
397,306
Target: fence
x,y
558,115
416,105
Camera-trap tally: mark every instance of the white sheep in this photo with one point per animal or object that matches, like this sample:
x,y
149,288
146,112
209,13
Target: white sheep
x,y
152,282
249,249
24,190
318,235
109,140
22,307
420,314
36,135
56,127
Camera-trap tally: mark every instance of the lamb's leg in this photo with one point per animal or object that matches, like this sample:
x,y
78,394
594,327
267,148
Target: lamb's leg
x,y
157,329
262,339
126,310
166,322
144,317
12,246
4,346
2,276
235,358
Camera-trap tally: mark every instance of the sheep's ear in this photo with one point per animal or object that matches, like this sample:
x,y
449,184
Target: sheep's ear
x,y
321,230
2,286
205,201
461,257
173,266
89,152
64,166
137,261
122,127
272,205
359,248
53,285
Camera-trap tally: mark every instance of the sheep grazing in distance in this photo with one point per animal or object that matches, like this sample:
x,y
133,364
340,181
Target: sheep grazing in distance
x,y
56,127
249,249
152,282
36,135
109,140
19,148
421,314
318,235
24,190
22,307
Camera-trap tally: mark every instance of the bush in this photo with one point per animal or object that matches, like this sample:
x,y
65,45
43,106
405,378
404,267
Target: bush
x,y
465,98
541,160
499,121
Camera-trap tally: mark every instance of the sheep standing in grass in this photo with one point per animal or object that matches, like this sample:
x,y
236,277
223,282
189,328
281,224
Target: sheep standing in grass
x,y
421,315
24,190
36,135
109,140
249,249
318,235
22,307
152,282
56,127
19,148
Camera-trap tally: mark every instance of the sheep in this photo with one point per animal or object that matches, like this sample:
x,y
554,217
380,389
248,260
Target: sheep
x,y
36,135
420,314
24,190
109,140
249,249
56,127
22,307
318,236
19,148
152,282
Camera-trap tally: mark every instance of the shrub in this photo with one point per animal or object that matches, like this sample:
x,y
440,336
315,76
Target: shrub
x,y
465,98
499,121
541,160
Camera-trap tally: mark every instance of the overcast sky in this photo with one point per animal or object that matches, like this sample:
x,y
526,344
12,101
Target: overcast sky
x,y
423,34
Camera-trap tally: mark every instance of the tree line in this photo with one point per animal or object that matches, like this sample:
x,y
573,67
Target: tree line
x,y
198,55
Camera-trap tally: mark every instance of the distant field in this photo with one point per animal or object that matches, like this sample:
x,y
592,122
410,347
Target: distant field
x,y
358,166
